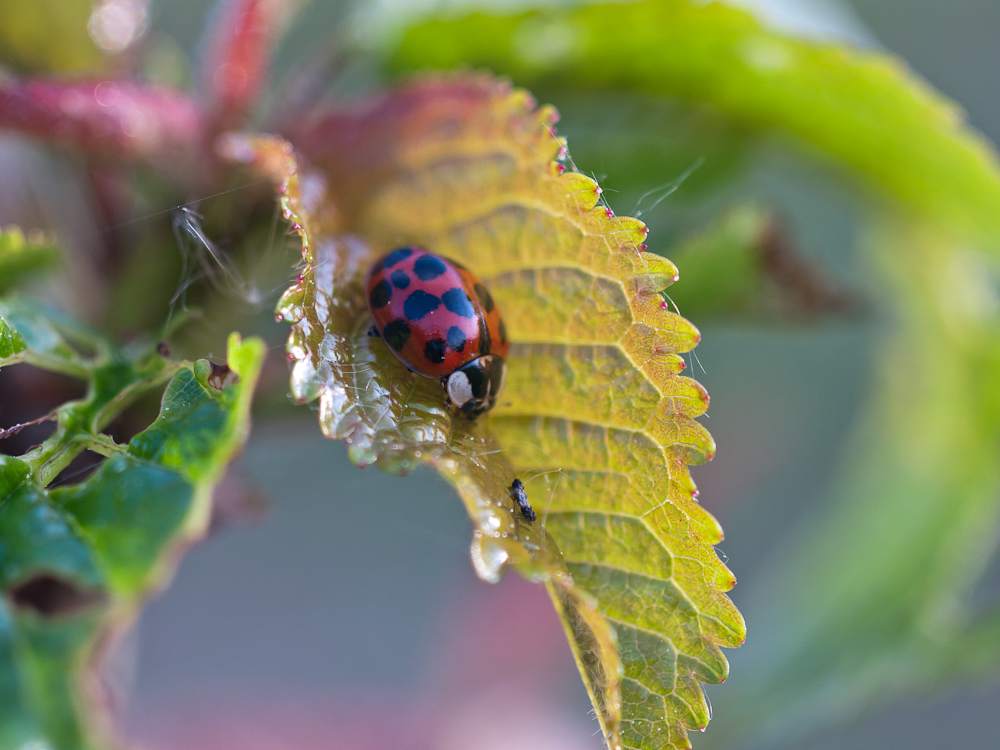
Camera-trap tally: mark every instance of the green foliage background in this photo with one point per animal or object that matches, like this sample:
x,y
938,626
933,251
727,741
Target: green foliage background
x,y
881,591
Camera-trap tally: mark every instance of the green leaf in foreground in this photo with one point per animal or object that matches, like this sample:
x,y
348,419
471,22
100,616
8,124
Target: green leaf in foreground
x,y
860,107
76,561
596,419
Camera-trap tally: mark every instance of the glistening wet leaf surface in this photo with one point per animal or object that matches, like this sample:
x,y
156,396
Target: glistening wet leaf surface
x,y
595,418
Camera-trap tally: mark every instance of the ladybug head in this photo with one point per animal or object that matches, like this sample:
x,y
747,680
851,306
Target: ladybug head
x,y
474,387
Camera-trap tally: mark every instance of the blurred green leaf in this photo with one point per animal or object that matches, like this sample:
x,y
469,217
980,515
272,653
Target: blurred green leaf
x,y
44,337
723,273
662,148
11,342
22,256
880,595
76,561
48,36
862,108
744,268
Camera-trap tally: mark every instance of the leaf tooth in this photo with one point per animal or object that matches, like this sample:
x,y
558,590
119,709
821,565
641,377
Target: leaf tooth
x,y
682,437
580,192
656,350
677,335
704,526
681,395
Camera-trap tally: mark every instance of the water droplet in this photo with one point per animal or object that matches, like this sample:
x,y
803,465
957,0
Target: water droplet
x,y
488,558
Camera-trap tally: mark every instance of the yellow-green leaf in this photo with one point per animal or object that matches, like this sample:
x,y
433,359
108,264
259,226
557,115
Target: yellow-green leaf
x,y
596,418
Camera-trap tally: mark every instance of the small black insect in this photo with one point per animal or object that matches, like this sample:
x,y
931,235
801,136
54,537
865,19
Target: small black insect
x,y
521,496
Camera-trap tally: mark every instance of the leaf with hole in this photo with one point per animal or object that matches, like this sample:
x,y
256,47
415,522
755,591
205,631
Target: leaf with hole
x,y
77,560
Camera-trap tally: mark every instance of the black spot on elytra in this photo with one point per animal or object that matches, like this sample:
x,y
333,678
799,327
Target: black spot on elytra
x,y
419,303
51,595
503,331
485,340
399,279
396,334
396,256
380,295
456,338
435,350
485,298
458,302
428,267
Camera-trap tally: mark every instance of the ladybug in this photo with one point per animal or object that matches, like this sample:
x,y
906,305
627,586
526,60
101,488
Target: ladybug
x,y
441,322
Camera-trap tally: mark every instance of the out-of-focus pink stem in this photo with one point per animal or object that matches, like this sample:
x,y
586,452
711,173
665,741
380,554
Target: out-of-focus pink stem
x,y
109,119
238,52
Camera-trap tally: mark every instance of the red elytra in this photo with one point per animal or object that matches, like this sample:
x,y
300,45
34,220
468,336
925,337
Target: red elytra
x,y
434,314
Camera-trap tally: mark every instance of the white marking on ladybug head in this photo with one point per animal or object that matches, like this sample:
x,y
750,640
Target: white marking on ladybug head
x,y
459,388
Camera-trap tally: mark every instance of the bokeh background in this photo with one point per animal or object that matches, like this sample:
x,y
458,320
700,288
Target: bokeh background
x,y
343,612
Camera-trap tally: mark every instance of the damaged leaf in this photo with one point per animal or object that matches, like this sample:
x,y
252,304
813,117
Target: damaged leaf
x,y
77,560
